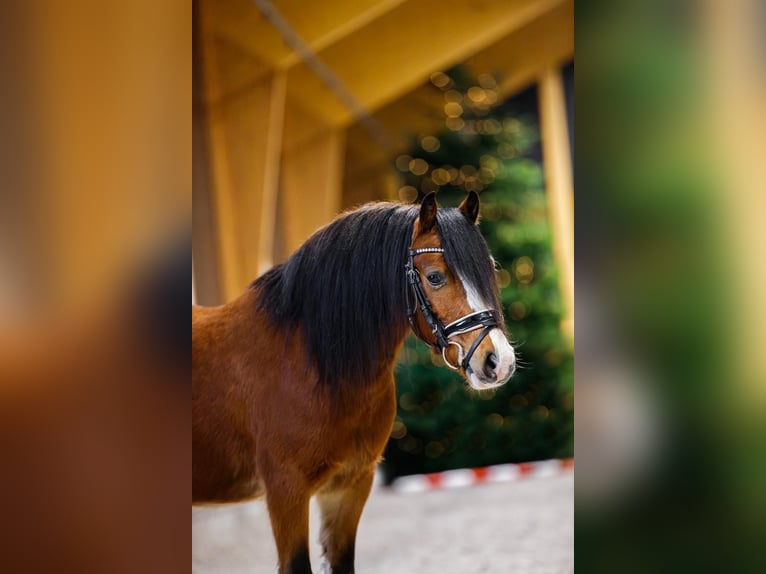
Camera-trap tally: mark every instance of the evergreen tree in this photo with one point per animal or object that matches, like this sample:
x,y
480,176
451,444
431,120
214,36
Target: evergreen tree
x,y
441,423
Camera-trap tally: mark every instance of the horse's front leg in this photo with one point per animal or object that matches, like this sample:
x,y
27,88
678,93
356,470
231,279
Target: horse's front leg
x,y
288,506
341,502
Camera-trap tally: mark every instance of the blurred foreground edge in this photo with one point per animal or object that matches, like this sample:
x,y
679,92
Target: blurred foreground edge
x,y
95,434
95,199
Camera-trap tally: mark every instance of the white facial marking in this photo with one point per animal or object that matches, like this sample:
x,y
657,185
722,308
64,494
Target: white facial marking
x,y
503,350
474,301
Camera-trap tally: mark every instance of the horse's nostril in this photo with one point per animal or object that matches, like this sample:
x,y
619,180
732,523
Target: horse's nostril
x,y
490,364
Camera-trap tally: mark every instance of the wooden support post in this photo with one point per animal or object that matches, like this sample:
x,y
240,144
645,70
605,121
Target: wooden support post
x,y
273,153
245,131
558,183
311,187
735,139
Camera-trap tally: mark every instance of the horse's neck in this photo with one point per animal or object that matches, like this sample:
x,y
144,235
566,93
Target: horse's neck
x,y
250,330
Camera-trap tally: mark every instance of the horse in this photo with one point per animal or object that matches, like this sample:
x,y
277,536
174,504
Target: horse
x,y
293,382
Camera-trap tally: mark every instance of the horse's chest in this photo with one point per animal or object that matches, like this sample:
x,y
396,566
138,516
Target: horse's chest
x,y
367,432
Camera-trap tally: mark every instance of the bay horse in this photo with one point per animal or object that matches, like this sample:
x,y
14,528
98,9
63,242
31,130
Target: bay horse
x,y
292,383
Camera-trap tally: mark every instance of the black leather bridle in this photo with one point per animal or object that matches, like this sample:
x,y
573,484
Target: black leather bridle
x,y
486,319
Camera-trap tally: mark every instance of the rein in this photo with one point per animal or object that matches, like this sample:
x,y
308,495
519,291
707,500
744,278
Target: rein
x,y
442,333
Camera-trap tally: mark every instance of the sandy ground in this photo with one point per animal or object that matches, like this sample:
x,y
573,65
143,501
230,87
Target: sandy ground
x,y
522,527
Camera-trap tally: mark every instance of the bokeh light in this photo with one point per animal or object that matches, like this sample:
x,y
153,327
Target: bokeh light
x,y
430,143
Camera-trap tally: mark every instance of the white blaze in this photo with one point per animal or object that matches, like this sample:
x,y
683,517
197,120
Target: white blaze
x,y
506,357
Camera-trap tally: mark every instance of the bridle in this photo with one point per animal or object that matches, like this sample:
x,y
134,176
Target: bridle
x,y
486,318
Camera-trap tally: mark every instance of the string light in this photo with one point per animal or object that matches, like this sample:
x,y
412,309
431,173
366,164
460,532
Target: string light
x,y
430,144
476,94
440,176
487,81
407,194
453,110
403,162
453,96
440,80
418,166
455,124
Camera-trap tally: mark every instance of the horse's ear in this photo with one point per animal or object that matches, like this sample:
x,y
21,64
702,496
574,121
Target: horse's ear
x,y
470,207
427,218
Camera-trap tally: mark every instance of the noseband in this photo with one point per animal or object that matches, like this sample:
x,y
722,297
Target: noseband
x,y
442,334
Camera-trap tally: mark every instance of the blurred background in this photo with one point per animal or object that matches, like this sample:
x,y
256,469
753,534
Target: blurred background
x,y
304,110
671,370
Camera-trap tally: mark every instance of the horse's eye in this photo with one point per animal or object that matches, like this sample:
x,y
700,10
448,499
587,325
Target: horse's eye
x,y
435,279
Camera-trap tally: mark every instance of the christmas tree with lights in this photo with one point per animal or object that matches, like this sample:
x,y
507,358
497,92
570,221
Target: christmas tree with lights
x,y
491,148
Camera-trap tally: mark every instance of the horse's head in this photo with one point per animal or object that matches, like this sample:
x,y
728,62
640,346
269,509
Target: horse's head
x,y
453,295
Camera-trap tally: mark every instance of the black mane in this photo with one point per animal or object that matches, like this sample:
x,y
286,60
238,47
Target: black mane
x,y
345,286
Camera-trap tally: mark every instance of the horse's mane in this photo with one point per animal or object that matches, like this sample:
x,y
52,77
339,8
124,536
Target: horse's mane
x,y
345,286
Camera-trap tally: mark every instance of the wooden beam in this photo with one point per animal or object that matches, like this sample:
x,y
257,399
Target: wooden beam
x,y
352,36
558,184
229,67
517,60
319,24
301,126
396,52
350,22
